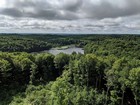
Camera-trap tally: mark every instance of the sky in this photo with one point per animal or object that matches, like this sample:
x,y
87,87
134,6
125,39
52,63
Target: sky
x,y
70,16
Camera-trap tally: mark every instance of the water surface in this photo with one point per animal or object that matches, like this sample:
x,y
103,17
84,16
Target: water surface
x,y
66,51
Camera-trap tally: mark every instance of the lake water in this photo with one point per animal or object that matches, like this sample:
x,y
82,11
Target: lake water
x,y
66,51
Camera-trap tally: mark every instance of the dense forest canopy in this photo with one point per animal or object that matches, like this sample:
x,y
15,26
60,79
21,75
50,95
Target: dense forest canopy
x,y
107,74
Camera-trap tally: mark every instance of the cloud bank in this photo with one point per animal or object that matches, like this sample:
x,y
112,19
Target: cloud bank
x,y
71,15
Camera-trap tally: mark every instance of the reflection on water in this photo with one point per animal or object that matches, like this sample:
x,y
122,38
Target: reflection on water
x,y
66,51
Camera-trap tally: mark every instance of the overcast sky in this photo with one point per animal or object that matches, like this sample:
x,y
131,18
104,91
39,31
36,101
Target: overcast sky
x,y
80,16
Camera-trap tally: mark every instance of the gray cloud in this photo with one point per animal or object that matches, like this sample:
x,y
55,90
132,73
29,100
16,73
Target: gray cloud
x,y
71,15
69,9
72,6
12,12
107,10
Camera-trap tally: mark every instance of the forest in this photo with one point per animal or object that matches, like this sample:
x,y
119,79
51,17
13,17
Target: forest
x,y
108,73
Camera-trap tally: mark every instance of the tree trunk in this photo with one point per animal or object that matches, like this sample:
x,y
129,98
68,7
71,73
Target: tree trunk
x,y
122,97
100,82
96,82
136,99
107,95
87,78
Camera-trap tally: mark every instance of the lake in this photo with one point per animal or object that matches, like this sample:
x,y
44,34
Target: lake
x,y
69,50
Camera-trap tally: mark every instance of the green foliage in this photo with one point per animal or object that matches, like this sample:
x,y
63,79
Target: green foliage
x,y
5,68
45,69
107,74
61,60
60,92
20,44
134,78
119,46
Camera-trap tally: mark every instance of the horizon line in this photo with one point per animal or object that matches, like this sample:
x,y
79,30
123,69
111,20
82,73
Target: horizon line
x,y
67,33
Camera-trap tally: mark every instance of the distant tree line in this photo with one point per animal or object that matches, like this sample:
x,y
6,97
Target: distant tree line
x,y
18,44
